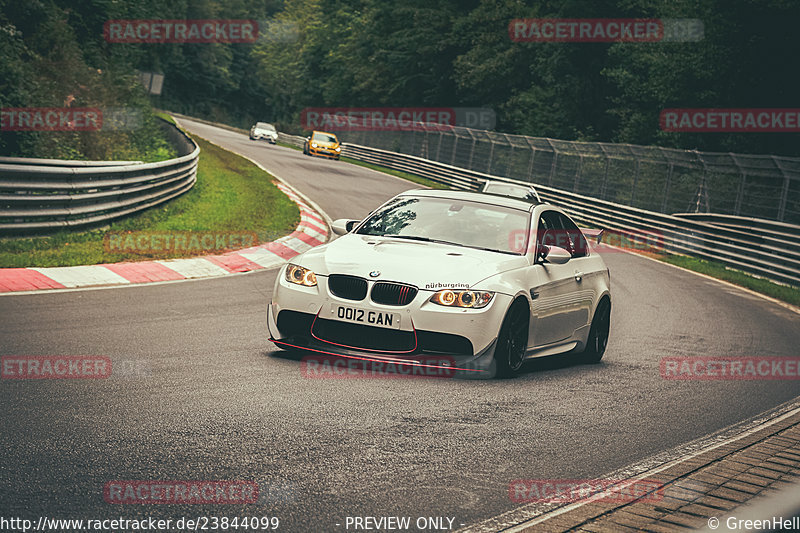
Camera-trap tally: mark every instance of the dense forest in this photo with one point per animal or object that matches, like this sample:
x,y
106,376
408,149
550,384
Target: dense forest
x,y
437,53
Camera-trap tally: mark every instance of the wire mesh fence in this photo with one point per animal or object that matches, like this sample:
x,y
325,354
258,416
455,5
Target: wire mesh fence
x,y
647,177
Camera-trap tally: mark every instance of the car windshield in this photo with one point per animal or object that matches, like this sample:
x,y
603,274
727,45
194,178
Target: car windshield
x,y
324,137
265,126
449,221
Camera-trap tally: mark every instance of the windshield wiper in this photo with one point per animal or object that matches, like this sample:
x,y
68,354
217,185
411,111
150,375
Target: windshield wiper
x,y
423,239
492,250
437,241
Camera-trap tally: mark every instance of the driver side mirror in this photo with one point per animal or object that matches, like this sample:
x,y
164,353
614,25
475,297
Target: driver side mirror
x,y
556,255
343,226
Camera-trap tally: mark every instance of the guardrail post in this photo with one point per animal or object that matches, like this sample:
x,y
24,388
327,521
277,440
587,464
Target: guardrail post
x,y
605,172
667,185
635,180
553,164
439,147
702,191
491,155
510,157
530,163
471,150
737,208
784,192
455,144
578,173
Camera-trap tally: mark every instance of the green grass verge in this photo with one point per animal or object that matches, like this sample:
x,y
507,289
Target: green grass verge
x,y
231,196
786,294
165,116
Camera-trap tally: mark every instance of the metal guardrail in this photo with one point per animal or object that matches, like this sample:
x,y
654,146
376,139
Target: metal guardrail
x,y
44,195
653,178
741,247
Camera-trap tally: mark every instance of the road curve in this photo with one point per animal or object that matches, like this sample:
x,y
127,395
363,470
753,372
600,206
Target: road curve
x,y
212,399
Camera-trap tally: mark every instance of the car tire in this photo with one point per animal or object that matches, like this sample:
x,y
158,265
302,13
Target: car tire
x,y
305,150
509,353
598,333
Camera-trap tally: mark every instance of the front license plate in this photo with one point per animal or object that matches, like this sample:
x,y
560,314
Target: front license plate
x,y
367,317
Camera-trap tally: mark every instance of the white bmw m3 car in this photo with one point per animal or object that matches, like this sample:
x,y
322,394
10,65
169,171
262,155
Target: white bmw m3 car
x,y
482,280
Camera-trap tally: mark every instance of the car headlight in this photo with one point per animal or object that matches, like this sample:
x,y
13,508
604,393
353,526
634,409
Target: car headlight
x,y
300,276
471,299
338,149
313,145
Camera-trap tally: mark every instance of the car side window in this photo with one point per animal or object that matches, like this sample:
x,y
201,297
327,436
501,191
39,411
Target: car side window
x,y
547,231
574,238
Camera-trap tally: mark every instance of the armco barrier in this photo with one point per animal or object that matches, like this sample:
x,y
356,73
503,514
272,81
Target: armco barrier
x,y
754,247
44,195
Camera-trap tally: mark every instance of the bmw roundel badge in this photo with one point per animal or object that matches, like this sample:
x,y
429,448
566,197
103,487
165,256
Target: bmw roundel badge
x,y
375,273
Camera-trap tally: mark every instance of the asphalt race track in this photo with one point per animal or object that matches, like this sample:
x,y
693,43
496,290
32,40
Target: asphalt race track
x,y
209,398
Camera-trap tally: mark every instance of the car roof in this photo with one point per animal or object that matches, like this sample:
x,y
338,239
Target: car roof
x,y
325,132
504,201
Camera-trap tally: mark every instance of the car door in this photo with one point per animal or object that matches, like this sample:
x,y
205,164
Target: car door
x,y
583,270
555,310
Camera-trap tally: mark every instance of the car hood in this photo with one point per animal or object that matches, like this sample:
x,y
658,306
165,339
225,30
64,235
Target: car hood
x,y
426,265
265,132
325,144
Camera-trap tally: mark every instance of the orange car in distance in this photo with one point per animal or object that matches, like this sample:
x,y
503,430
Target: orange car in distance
x,y
322,143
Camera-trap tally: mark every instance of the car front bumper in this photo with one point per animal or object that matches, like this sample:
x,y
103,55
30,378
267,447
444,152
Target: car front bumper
x,y
459,338
325,152
260,136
